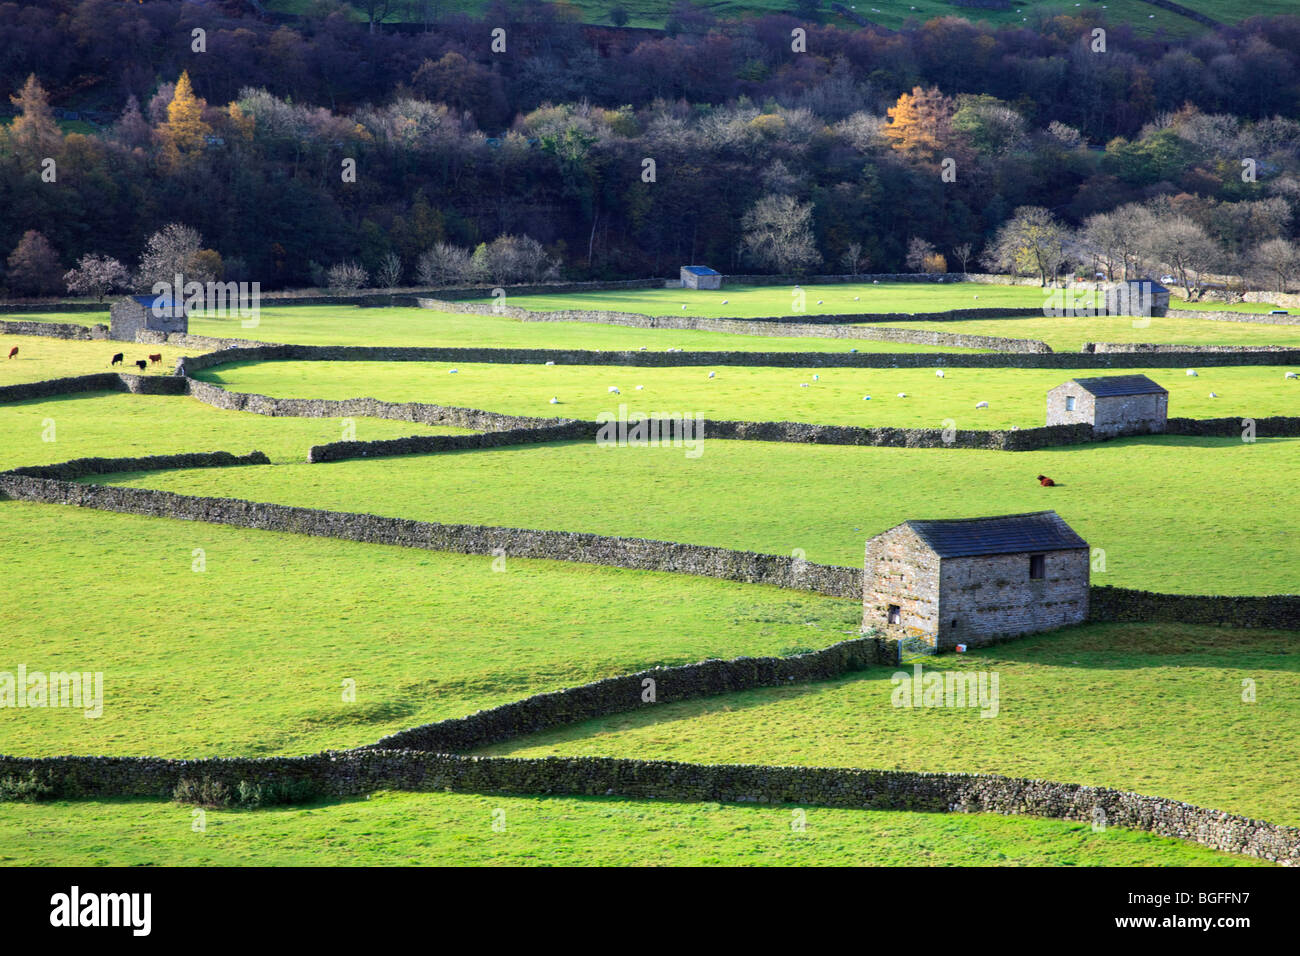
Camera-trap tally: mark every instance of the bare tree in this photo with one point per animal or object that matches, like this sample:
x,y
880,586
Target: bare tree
x,y
919,253
778,235
346,277
97,275
1183,247
389,273
963,251
444,264
171,251
854,259
1277,262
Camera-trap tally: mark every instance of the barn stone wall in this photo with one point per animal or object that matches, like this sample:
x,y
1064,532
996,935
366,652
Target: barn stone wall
x,y
900,570
987,597
1131,414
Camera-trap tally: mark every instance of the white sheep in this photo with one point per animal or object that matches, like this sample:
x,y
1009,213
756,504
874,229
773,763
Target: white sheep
x,y
683,308
555,401
1292,375
819,301
938,373
1191,372
640,387
452,371
981,404
713,375
725,301
1214,395
852,351
550,363
817,378
614,390
803,384
866,398
902,394
856,297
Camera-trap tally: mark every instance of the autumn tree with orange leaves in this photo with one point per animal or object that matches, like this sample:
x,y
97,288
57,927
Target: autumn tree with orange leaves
x,y
921,122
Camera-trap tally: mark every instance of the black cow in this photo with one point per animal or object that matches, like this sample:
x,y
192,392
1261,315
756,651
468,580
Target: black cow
x,y
117,359
141,365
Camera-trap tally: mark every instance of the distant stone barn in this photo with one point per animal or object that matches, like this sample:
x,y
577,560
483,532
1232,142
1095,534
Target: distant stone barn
x,y
154,313
973,580
1111,404
700,277
1137,297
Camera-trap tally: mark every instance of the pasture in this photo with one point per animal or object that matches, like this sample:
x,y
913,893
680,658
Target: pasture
x,y
453,829
1157,505
41,358
825,396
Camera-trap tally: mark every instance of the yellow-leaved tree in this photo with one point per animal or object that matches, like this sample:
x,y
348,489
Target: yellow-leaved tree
x,y
184,134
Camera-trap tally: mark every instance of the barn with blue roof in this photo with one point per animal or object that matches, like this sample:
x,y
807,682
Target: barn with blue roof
x,y
146,313
975,580
700,277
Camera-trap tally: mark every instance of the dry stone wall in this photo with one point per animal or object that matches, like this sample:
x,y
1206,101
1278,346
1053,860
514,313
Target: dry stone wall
x,y
1280,611
97,382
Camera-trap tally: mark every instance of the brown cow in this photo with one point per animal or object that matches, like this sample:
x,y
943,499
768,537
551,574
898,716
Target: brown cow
x,y
13,351
155,358
1046,482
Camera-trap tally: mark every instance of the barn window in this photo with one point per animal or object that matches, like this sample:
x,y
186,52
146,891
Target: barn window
x,y
1069,403
895,614
1037,565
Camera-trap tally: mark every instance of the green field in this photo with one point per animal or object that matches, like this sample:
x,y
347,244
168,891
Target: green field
x,y
446,829
1198,515
1153,708
42,358
248,656
835,397
119,425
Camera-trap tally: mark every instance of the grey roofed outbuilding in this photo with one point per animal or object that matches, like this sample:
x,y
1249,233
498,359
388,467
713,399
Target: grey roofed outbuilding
x,y
1004,534
701,271
1108,385
148,301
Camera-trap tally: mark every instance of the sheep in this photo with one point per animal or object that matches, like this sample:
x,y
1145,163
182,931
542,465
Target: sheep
x,y
13,351
725,301
817,378
640,387
117,359
555,401
803,384
613,390
856,297
851,351
819,301
1191,372
1292,375
981,404
1214,395
1046,482
550,363
452,371
902,394
683,308
938,373
866,398
713,375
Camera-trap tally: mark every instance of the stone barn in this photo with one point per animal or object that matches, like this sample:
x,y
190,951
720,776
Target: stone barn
x,y
1137,297
154,313
972,580
700,277
1111,404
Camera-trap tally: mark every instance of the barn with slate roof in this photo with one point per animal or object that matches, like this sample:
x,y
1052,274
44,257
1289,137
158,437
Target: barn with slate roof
x,y
155,313
700,277
974,580
1111,404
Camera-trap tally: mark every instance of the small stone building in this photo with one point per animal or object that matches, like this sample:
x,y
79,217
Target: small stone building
x,y
1140,297
1111,404
972,580
137,313
700,277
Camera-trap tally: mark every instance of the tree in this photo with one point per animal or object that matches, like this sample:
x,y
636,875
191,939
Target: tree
x,y
778,235
346,277
1277,261
921,122
963,252
919,254
1032,240
170,252
513,259
33,129
97,275
184,134
34,265
854,259
389,273
444,264
1184,248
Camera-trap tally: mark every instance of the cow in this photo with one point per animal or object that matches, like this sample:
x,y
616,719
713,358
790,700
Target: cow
x,y
141,364
155,358
1046,482
13,351
117,359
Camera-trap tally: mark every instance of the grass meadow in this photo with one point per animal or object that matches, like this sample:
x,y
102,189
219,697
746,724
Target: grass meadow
x,y
1153,708
452,829
42,358
835,397
1180,514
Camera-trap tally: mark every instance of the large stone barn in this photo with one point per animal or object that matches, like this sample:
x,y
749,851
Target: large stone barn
x,y
700,277
972,580
1141,297
1111,404
154,313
